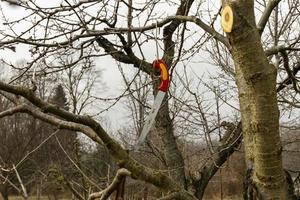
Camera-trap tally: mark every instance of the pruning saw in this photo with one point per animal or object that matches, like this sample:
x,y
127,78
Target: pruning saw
x,y
162,89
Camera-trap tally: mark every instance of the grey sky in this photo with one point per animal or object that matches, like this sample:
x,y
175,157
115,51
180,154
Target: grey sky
x,y
197,66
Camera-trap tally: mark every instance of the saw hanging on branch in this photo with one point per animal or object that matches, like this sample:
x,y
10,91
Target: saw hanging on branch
x,y
163,88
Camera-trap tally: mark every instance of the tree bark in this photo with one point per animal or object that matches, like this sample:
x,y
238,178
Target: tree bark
x,y
231,140
173,156
246,116
256,80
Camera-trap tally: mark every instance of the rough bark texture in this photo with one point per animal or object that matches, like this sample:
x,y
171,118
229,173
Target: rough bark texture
x,y
256,80
251,191
246,116
173,156
164,124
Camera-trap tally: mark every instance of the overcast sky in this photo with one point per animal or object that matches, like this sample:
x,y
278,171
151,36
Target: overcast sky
x,y
111,75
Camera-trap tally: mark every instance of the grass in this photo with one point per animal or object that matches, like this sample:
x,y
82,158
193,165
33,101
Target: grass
x,y
46,198
225,198
30,198
35,198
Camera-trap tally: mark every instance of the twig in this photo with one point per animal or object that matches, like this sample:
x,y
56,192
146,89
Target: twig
x,y
25,194
104,194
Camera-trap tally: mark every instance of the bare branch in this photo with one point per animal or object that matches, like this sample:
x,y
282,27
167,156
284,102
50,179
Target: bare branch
x,y
168,19
62,44
12,111
104,194
169,45
36,148
290,74
11,183
10,97
77,167
25,194
266,15
12,2
230,141
125,58
290,79
276,49
93,130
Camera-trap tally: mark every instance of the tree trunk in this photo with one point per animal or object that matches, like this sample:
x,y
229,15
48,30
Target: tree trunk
x,y
256,80
173,156
244,97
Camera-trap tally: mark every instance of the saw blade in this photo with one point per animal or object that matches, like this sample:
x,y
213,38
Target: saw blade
x,y
151,118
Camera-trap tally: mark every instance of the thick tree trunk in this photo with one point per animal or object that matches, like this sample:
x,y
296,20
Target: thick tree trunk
x,y
173,156
256,80
246,116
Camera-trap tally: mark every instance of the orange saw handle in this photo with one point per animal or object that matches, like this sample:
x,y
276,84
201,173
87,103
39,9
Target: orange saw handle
x,y
164,74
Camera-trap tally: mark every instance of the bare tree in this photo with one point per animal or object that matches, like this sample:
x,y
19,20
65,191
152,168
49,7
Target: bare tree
x,y
92,26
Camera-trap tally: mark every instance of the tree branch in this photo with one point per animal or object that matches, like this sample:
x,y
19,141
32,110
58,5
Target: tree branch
x,y
266,15
290,79
169,45
12,111
179,18
276,49
94,130
24,194
125,58
230,141
289,72
104,194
